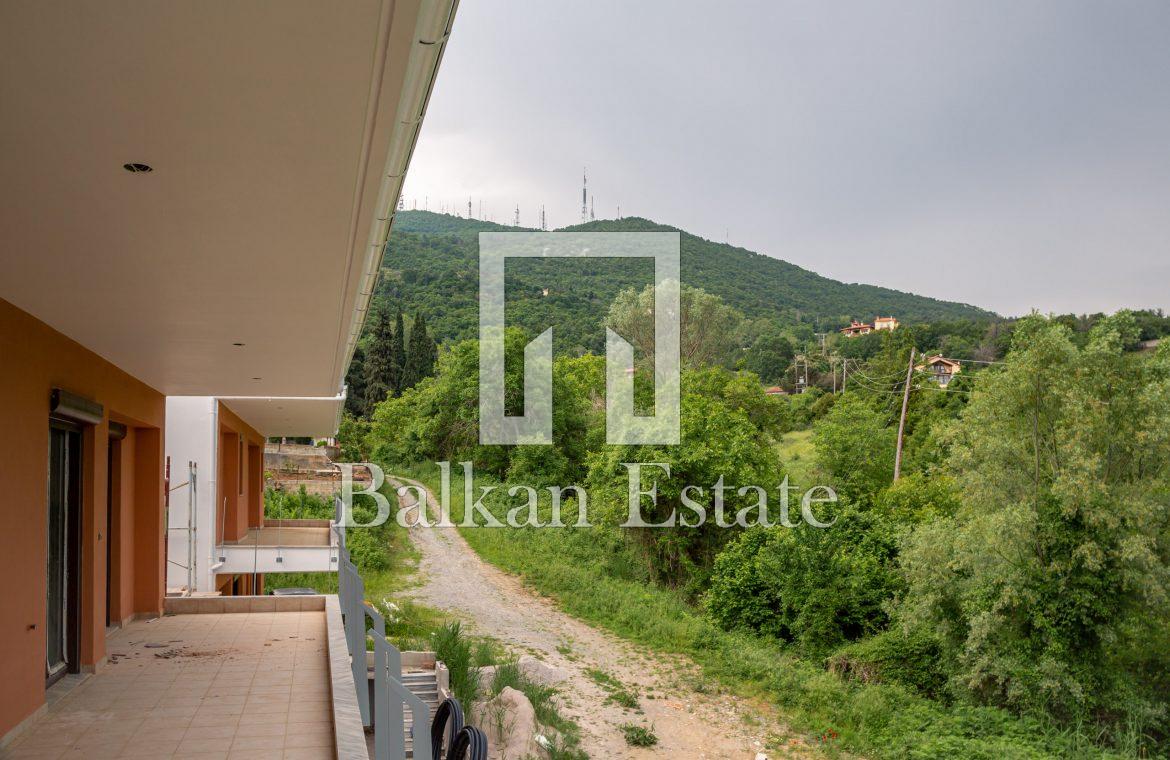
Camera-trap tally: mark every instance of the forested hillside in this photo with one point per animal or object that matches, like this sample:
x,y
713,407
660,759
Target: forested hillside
x,y
432,266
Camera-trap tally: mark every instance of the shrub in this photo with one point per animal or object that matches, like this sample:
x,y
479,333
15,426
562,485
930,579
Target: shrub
x,y
818,587
297,505
912,659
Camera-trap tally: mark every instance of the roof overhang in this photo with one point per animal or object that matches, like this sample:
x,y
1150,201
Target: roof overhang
x,y
279,132
275,417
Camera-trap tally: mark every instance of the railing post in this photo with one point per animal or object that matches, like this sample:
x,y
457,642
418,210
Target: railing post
x,y
389,697
339,522
353,606
389,721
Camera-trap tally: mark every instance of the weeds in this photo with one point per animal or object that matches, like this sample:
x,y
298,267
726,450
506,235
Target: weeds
x,y
619,693
454,649
638,736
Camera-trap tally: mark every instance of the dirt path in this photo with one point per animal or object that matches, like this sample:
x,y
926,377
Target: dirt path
x,y
689,724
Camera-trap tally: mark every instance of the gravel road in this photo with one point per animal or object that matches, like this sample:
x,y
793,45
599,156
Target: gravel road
x,y
689,724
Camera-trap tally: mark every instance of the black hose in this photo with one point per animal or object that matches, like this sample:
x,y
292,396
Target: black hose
x,y
469,744
449,716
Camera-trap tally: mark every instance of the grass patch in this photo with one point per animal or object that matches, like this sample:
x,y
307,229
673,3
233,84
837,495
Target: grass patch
x,y
619,693
799,456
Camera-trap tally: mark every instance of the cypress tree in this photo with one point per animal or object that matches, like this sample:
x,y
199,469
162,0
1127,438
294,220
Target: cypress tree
x,y
420,354
380,372
398,352
355,384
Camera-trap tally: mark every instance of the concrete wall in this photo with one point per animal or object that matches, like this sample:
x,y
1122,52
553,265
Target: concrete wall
x,y
34,359
190,437
203,430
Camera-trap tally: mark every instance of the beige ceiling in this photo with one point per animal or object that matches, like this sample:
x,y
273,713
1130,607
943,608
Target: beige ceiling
x,y
277,417
268,125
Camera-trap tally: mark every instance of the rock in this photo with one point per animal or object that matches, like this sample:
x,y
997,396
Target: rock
x,y
539,672
510,724
485,675
761,756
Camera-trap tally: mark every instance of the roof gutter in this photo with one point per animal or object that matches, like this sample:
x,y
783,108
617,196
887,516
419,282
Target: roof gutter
x,y
432,29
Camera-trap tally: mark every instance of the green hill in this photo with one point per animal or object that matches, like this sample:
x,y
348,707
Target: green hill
x,y
432,264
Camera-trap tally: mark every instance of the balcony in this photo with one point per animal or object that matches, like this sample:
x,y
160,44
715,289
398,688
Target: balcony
x,y
281,546
243,677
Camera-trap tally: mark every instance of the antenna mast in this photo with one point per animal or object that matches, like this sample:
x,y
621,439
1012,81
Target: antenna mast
x,y
584,197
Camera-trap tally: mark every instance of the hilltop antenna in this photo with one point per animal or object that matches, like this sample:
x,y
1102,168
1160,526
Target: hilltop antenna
x,y
517,224
469,207
481,208
584,197
619,215
591,215
426,203
401,203
543,221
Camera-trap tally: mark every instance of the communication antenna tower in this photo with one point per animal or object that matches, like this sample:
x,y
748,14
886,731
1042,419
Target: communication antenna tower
x,y
584,197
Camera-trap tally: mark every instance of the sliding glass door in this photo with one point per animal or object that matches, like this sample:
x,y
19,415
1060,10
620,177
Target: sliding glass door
x,y
64,548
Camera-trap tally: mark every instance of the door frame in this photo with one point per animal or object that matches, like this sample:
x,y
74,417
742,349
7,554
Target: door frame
x,y
74,504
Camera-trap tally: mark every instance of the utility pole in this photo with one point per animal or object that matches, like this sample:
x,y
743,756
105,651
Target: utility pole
x,y
902,420
844,375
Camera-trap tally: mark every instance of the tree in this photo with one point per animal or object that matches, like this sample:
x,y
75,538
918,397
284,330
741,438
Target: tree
x,y
381,372
707,325
398,351
720,443
855,448
1048,587
355,384
421,354
770,357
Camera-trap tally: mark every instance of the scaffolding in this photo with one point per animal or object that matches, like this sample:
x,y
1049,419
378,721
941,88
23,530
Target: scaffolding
x,y
191,528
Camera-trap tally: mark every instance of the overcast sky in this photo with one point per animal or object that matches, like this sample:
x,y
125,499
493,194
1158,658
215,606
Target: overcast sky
x,y
1010,154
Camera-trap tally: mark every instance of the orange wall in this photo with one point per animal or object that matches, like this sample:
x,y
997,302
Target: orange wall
x,y
34,359
241,480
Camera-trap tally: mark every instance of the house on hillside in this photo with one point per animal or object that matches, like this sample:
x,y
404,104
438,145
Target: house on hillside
x,y
940,369
856,328
775,390
1149,345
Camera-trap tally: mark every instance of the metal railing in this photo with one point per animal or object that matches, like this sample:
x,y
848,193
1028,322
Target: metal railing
x,y
385,711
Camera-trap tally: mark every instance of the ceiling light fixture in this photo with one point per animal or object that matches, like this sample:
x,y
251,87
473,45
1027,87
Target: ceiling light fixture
x,y
138,168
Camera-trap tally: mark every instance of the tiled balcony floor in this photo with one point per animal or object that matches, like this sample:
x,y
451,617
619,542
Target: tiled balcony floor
x,y
210,686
